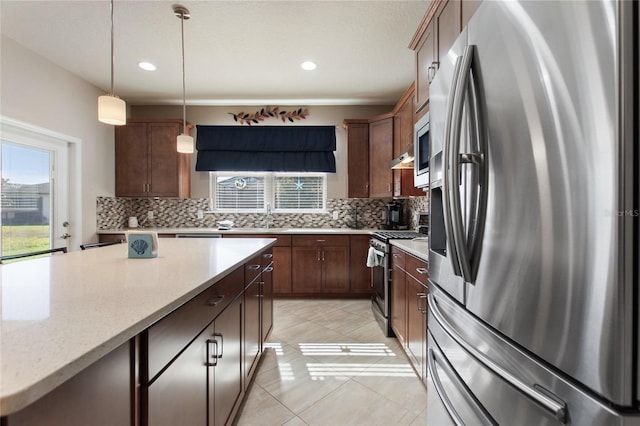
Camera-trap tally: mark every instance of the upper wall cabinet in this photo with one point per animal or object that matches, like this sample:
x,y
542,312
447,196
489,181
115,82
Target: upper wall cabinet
x,y
436,33
403,141
147,163
357,157
380,155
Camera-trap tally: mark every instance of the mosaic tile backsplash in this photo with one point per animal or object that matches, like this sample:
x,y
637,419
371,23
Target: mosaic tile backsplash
x,y
113,213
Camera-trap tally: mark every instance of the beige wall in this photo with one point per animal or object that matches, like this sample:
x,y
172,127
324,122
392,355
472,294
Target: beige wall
x,y
35,91
318,115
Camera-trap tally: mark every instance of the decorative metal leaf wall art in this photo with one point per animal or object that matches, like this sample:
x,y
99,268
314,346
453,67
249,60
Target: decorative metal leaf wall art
x,y
270,112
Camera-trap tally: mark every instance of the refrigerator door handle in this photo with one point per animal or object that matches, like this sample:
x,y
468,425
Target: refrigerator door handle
x,y
436,356
446,181
453,167
557,408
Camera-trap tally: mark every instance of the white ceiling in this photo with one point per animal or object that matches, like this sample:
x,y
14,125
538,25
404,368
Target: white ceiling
x,y
237,52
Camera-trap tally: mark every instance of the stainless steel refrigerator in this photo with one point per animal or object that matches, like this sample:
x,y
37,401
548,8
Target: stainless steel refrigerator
x,y
533,261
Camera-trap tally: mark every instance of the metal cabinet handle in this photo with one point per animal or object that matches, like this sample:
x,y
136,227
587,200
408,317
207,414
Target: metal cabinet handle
x,y
267,255
215,300
556,408
221,346
318,255
422,271
421,296
323,255
211,355
253,267
268,269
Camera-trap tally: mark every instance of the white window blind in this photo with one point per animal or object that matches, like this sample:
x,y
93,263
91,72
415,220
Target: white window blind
x,y
299,192
240,193
247,192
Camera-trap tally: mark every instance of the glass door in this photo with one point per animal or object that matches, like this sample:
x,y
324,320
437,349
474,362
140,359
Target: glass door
x,y
33,197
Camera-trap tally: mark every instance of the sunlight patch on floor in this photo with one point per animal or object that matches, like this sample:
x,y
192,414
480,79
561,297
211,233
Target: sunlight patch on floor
x,y
345,349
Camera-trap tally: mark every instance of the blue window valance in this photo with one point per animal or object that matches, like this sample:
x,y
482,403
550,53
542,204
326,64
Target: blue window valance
x,y
266,148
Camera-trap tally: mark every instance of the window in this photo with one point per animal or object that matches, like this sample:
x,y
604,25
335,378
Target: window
x,y
251,192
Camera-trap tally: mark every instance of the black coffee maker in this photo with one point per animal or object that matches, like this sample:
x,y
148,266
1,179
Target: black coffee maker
x,y
394,216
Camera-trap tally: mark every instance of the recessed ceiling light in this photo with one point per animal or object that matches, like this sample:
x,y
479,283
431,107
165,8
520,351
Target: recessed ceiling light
x,y
308,65
147,66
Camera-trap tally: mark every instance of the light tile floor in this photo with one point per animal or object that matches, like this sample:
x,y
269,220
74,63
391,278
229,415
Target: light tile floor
x,y
330,364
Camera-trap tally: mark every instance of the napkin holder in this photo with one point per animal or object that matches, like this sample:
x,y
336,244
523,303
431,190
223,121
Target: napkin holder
x,y
142,245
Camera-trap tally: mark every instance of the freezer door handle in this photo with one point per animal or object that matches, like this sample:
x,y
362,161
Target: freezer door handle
x,y
536,393
437,357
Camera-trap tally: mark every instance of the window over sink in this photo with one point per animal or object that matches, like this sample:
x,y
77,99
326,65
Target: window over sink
x,y
251,192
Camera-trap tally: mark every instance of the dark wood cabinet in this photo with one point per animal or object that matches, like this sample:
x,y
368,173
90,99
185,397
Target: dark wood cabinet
x,y
101,394
147,162
320,264
403,141
225,385
409,306
380,155
266,294
360,273
426,64
252,335
357,158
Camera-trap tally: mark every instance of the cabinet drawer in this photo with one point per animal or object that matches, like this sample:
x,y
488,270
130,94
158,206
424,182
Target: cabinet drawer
x,y
171,334
397,258
417,268
283,240
320,240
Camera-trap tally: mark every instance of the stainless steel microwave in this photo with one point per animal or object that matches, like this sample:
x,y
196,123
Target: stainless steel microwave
x,y
421,153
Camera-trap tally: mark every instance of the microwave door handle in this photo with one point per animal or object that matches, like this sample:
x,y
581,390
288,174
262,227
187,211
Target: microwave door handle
x,y
446,181
459,234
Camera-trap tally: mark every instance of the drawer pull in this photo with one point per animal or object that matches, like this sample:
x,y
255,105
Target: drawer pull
x,y
215,300
321,241
422,271
268,269
267,255
221,346
253,267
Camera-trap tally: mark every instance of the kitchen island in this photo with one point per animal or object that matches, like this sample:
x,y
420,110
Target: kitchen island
x,y
62,315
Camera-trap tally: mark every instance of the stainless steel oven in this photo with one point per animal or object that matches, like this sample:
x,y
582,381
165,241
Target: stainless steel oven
x,y
381,276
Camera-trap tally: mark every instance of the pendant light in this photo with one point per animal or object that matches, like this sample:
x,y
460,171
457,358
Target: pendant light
x,y
185,142
112,109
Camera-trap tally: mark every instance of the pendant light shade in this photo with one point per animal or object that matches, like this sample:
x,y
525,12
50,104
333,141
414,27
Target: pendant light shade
x,y
111,109
184,142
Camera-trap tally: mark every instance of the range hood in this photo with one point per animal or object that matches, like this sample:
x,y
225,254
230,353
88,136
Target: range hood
x,y
404,161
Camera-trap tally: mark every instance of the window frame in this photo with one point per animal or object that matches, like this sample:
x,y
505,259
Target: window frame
x,y
269,192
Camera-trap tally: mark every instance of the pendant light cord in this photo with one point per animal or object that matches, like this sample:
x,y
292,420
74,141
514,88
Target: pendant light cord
x,y
112,51
184,96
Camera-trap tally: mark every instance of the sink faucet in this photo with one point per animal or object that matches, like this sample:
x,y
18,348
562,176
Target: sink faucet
x,y
268,217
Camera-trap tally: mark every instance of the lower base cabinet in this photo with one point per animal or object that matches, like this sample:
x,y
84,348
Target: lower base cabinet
x,y
409,307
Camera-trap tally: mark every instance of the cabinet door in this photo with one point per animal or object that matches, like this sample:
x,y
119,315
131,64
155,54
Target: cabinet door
x,y
179,394
335,269
425,57
469,7
360,273
306,271
380,155
267,299
282,270
132,169
164,160
226,386
448,24
399,304
358,160
416,322
251,328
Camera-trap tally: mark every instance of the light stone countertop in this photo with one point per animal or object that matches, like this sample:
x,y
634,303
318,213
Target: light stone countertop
x,y
62,313
289,231
418,247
